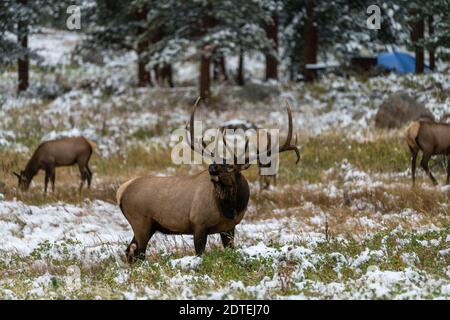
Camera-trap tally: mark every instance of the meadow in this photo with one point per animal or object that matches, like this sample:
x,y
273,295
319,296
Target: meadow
x,y
345,223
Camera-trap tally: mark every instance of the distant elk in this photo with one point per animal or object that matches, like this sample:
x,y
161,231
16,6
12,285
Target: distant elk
x,y
264,180
212,201
58,153
432,138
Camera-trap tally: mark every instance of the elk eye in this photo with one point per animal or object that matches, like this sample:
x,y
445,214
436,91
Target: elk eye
x,y
230,168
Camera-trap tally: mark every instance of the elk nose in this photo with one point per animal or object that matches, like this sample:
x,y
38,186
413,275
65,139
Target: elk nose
x,y
213,169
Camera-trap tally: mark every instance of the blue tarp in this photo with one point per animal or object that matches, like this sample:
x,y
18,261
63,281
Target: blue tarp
x,y
399,62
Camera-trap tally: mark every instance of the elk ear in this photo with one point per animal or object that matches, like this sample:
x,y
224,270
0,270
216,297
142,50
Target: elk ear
x,y
16,174
245,166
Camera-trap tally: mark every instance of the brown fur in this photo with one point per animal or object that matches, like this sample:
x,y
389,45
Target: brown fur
x,y
92,144
212,201
121,190
411,134
431,138
183,205
58,153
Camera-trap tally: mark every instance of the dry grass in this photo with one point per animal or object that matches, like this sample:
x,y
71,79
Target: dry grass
x,y
302,191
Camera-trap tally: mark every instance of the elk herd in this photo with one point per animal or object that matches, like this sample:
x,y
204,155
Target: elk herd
x,y
209,202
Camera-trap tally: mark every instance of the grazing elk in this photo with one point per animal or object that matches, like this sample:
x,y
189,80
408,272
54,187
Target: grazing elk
x,y
212,201
58,153
432,138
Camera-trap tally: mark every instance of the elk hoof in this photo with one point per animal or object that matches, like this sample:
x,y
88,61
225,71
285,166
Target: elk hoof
x,y
131,258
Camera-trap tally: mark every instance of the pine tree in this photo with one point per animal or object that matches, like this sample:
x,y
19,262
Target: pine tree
x,y
313,28
17,17
117,25
213,28
271,25
418,16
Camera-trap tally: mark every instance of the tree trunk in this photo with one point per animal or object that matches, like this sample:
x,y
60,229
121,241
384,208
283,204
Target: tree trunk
x,y
240,72
205,80
431,51
157,75
23,62
311,37
167,74
271,61
219,69
144,76
417,31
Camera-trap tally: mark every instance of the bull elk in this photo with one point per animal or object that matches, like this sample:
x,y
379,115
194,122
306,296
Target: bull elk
x,y
432,138
212,201
58,153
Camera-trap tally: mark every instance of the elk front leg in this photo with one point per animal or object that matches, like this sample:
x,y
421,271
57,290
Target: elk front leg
x,y
200,239
47,177
52,179
227,238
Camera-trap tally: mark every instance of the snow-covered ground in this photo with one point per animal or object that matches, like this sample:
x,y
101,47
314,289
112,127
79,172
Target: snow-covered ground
x,y
93,232
92,98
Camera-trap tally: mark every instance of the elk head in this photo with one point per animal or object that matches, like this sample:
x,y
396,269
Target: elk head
x,y
23,181
223,174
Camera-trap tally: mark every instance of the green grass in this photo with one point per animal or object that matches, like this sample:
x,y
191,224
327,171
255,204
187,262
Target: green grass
x,y
318,154
326,151
219,268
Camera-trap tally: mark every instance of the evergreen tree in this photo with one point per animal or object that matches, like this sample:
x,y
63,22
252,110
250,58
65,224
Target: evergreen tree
x,y
212,28
271,26
17,17
418,16
119,25
313,28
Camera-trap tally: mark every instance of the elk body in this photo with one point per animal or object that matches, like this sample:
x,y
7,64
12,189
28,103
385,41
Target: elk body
x,y
58,153
432,138
212,201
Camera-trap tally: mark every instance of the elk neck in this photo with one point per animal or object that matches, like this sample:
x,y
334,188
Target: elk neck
x,y
32,166
232,197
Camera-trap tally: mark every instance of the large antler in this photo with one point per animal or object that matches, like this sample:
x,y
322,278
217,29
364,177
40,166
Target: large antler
x,y
286,146
191,140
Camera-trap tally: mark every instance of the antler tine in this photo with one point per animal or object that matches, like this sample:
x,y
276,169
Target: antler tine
x,y
245,155
203,151
227,146
246,147
287,143
287,146
216,144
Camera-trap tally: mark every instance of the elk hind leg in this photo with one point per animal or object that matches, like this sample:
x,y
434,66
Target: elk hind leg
x,y
89,176
83,175
136,249
424,163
